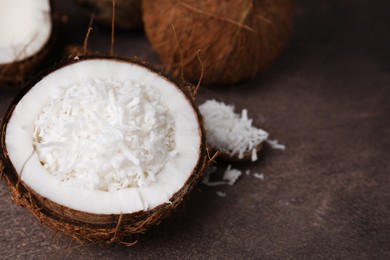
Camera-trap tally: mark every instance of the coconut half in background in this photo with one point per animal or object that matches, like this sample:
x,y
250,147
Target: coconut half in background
x,y
25,34
102,148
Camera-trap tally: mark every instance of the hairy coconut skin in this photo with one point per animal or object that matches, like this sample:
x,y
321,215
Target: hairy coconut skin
x,y
84,226
236,39
17,73
128,14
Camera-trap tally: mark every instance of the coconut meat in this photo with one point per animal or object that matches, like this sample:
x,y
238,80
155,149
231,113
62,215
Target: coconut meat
x,y
25,27
139,179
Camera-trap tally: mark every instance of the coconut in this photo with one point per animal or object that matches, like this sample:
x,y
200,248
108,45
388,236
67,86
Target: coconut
x,y
24,43
102,148
128,14
227,40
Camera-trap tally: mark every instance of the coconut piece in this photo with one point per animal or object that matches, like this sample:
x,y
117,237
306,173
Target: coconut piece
x,y
24,43
60,197
232,134
128,14
274,144
236,39
230,176
221,194
259,176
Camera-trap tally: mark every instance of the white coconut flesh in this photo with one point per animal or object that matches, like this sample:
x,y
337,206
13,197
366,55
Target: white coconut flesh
x,y
105,137
25,28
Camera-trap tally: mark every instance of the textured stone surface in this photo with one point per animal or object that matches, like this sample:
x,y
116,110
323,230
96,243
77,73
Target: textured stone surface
x,y
325,197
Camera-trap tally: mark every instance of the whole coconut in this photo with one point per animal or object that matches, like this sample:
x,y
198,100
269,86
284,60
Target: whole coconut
x,y
128,14
229,40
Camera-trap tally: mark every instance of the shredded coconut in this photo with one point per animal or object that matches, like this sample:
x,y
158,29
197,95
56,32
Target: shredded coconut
x,y
259,176
275,144
230,177
105,135
221,194
230,132
206,181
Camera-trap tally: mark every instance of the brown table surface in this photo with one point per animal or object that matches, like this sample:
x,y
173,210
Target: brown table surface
x,y
327,196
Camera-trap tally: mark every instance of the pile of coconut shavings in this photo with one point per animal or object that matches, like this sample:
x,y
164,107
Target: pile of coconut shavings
x,y
105,135
230,132
234,134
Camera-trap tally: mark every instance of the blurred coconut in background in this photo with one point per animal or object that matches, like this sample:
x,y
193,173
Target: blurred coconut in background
x,y
229,41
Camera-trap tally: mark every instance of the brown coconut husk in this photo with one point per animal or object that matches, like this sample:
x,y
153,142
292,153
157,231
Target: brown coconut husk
x,y
128,13
237,39
15,74
84,226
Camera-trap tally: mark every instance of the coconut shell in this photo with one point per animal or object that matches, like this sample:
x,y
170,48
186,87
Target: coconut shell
x,y
128,14
235,39
83,225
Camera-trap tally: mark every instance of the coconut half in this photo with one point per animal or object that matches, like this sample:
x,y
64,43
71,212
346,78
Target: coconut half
x,y
101,148
25,30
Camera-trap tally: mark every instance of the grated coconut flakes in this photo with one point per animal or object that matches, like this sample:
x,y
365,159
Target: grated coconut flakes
x,y
105,135
230,132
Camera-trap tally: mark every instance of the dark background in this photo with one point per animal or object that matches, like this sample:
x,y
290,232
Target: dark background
x,y
327,196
